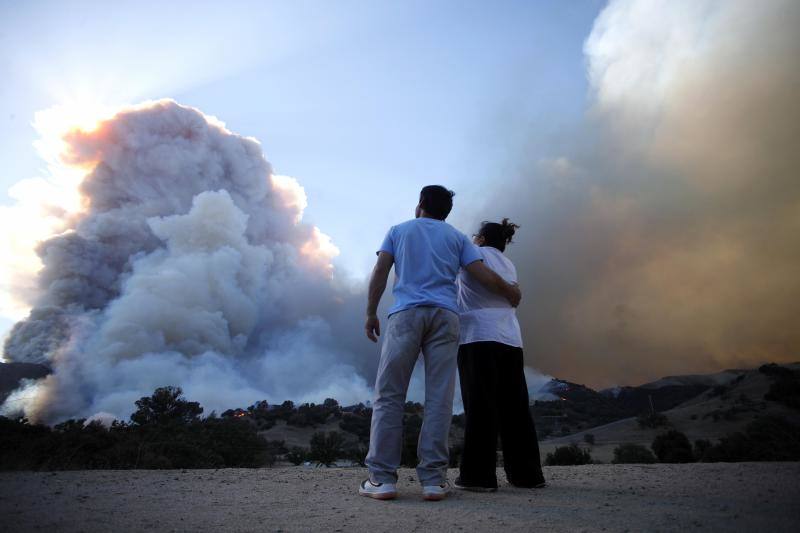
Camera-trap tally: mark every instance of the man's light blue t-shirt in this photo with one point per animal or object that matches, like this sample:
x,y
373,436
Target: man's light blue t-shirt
x,y
428,254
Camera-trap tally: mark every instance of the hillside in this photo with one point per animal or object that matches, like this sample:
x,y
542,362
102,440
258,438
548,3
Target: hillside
x,y
577,407
736,399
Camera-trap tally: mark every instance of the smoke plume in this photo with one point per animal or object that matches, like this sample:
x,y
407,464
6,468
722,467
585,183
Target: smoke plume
x,y
665,240
185,263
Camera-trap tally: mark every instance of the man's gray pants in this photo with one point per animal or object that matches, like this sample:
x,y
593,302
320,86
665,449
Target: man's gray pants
x,y
434,331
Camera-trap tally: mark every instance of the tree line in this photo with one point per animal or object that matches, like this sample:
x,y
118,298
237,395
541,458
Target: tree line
x,y
168,431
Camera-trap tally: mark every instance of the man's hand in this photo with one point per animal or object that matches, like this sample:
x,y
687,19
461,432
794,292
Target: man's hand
x,y
373,328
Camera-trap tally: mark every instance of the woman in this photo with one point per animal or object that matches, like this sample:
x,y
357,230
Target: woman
x,y
493,386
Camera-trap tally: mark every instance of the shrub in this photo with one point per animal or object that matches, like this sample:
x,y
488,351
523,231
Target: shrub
x,y
568,455
652,420
297,455
234,441
356,453
629,453
588,438
326,448
672,447
764,439
700,448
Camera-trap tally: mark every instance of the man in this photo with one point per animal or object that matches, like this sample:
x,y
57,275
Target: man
x,y
427,254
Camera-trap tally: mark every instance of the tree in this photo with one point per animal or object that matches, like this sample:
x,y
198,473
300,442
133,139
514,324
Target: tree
x,y
673,447
166,405
629,453
588,438
767,438
297,455
326,447
231,442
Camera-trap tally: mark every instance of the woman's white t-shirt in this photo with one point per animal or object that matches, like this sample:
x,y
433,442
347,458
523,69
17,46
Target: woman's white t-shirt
x,y
484,315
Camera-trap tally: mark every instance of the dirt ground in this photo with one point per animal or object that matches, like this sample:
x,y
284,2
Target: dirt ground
x,y
693,497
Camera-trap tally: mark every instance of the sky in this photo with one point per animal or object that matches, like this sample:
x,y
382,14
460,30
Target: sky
x,y
357,100
364,103
593,124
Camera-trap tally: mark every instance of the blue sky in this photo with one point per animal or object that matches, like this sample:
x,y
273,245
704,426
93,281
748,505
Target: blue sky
x,y
362,102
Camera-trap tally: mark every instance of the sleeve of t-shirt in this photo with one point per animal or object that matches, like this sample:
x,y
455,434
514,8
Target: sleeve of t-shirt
x,y
388,243
469,252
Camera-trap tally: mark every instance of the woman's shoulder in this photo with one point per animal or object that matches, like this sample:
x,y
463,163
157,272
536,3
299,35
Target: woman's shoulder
x,y
494,253
493,256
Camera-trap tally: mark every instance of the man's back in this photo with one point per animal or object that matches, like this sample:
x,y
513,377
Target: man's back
x,y
427,256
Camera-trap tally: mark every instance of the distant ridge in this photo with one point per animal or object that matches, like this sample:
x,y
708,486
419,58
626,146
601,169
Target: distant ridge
x,y
710,380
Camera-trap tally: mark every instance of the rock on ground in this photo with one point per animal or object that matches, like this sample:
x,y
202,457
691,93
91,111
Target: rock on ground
x,y
692,497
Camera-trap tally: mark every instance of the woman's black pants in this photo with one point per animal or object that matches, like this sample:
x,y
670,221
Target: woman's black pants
x,y
495,398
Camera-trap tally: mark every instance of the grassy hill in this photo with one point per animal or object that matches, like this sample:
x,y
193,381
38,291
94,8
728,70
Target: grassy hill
x,y
736,399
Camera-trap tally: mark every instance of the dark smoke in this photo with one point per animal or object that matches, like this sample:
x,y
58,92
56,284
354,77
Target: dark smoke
x,y
668,241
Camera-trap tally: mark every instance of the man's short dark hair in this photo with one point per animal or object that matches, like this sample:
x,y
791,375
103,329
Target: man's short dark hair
x,y
436,200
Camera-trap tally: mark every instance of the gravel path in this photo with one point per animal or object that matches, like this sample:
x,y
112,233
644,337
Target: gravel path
x,y
694,497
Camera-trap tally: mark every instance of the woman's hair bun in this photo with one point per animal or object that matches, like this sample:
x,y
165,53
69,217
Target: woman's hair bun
x,y
509,228
497,235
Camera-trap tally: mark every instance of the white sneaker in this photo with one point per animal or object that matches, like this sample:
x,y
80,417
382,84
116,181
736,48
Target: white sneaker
x,y
379,491
434,493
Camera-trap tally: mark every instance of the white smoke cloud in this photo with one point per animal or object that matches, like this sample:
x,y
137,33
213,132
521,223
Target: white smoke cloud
x,y
187,264
536,381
